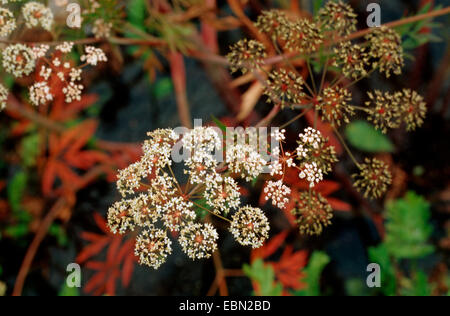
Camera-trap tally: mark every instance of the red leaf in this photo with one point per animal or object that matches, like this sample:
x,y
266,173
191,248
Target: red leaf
x,y
92,250
127,269
95,281
101,223
339,205
271,247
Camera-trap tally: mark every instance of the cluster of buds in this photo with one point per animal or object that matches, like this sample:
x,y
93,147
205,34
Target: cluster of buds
x,y
389,110
304,36
373,178
313,213
163,204
286,86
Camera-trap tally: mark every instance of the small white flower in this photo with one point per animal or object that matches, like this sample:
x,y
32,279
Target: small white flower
x,y
40,51
40,93
93,56
72,92
312,173
278,192
65,47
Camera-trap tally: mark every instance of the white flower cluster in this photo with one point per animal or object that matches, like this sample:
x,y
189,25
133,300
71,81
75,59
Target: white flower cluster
x,y
18,60
278,193
311,173
315,158
309,138
93,56
222,193
40,93
250,226
245,161
198,241
163,201
102,29
152,247
37,14
7,22
3,97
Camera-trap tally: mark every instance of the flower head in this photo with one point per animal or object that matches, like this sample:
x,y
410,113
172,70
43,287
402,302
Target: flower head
x,y
334,106
278,193
40,93
314,153
250,226
198,241
93,56
145,214
312,173
304,36
18,60
152,247
102,29
65,47
72,91
246,55
222,193
37,14
373,178
7,22
339,17
40,51
177,213
245,161
312,212
386,48
273,23
413,109
352,59
285,87
121,217
202,139
384,109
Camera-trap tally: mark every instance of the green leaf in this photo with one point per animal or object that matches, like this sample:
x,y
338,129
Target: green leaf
x,y
418,286
59,233
365,137
317,4
380,255
136,12
15,191
162,88
29,149
357,287
408,228
313,272
17,231
200,211
265,277
68,291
